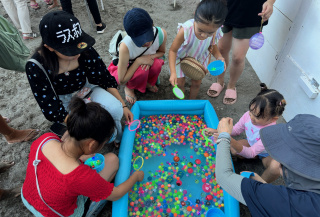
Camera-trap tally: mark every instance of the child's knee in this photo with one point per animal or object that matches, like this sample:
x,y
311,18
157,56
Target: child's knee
x,y
112,159
274,168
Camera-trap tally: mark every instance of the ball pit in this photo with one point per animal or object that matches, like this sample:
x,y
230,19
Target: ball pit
x,y
177,162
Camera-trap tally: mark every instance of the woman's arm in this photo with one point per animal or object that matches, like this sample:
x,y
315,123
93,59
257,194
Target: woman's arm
x,y
124,187
176,44
51,106
226,178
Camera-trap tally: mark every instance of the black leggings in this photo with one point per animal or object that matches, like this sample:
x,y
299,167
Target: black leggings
x,y
93,6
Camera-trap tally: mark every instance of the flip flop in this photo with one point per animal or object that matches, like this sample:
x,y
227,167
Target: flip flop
x,y
6,119
27,137
35,6
5,166
133,98
49,2
215,87
230,94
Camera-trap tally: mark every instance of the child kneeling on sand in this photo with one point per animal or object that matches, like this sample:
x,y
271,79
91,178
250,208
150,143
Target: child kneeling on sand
x,y
264,110
57,182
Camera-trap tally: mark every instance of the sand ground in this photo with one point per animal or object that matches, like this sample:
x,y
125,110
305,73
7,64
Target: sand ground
x,y
17,102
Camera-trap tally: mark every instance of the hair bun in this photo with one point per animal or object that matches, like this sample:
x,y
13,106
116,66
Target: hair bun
x,y
263,86
283,103
78,105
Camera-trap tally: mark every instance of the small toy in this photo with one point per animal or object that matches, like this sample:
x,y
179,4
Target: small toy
x,y
257,40
96,162
178,92
176,159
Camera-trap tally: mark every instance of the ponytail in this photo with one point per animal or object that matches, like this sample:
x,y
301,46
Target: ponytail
x,y
89,120
270,103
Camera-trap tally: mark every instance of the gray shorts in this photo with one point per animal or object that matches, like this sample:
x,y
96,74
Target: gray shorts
x,y
241,33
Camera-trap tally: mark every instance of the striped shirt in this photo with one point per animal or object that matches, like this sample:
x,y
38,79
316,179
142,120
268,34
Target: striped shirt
x,y
193,47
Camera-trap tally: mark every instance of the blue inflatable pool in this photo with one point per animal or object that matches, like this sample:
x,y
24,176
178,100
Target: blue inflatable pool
x,y
163,107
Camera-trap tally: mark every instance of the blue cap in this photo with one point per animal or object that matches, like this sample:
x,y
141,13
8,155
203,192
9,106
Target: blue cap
x,y
139,26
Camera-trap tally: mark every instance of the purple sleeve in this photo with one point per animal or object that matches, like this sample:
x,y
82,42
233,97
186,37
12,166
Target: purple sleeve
x,y
251,152
239,127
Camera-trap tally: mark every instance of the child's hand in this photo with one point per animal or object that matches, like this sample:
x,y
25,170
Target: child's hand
x,y
173,79
139,175
210,132
144,61
223,60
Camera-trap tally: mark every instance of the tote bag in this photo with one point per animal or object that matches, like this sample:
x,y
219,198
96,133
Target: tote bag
x,y
13,52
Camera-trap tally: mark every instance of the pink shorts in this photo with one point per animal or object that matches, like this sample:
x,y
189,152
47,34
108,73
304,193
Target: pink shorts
x,y
141,77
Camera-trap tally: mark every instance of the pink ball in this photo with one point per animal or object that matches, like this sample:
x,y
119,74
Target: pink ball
x,y
206,187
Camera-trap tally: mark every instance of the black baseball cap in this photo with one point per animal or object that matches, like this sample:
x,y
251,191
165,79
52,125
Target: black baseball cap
x,y
139,26
62,31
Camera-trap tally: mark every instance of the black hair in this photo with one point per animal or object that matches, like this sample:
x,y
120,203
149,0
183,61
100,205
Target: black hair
x,y
89,120
50,59
269,102
211,11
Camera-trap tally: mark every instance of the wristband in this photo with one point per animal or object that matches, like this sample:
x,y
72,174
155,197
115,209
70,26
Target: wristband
x,y
124,106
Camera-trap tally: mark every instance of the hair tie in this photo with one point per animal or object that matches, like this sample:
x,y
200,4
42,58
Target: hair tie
x,y
280,103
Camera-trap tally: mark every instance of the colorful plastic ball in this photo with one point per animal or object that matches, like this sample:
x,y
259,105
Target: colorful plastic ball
x,y
190,170
196,181
183,203
197,201
206,187
179,183
198,161
256,41
209,197
176,159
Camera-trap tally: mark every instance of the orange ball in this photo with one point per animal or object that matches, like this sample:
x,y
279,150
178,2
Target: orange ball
x,y
206,154
176,159
189,208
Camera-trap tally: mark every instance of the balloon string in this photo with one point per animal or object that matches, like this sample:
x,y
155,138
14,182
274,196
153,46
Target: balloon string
x,y
261,25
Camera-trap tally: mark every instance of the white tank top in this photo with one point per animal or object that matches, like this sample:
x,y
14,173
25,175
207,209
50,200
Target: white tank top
x,y
135,51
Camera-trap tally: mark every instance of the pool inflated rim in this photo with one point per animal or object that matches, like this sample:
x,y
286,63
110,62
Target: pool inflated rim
x,y
162,107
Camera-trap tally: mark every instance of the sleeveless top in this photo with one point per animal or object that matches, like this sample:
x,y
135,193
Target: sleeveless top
x,y
193,47
135,51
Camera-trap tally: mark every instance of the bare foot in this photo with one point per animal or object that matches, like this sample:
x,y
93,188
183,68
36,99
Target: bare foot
x,y
151,88
10,193
130,96
5,165
22,135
